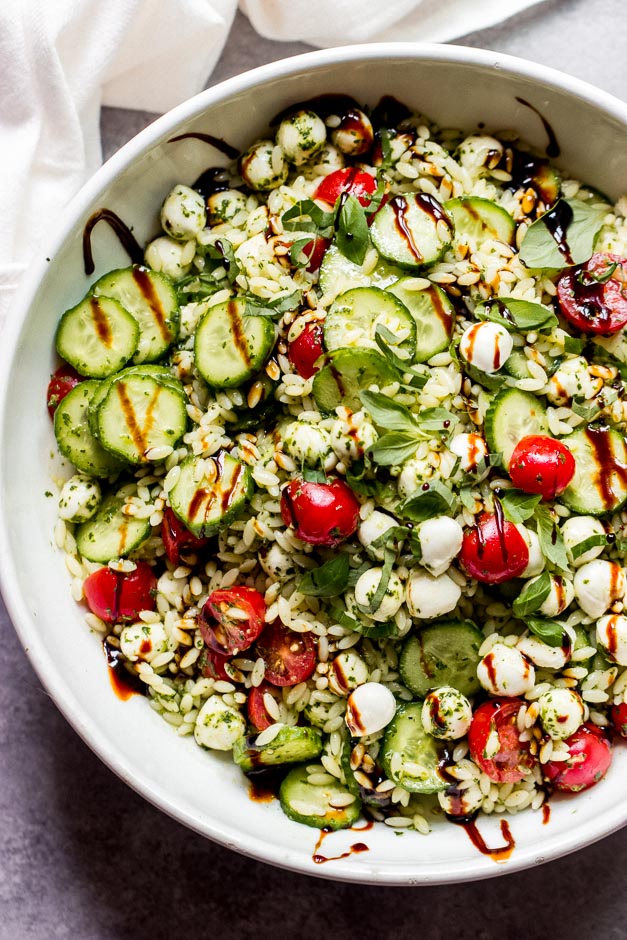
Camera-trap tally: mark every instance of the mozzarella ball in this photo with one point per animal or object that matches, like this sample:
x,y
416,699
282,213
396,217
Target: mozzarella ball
x,y
543,655
276,562
415,472
366,588
372,528
598,584
263,166
537,561
354,135
612,635
505,671
351,436
577,529
183,213
446,714
440,542
463,803
308,444
225,205
80,498
301,135
561,713
347,671
472,451
480,152
143,641
370,707
428,596
218,725
169,256
570,380
329,159
560,596
486,346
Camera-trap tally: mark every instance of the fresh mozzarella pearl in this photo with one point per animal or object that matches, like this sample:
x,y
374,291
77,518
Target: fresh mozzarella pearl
x,y
225,205
143,641
428,596
372,528
301,135
169,256
612,635
446,713
80,498
561,595
486,346
329,159
597,585
505,671
366,588
537,561
308,444
440,542
561,713
263,166
347,671
543,655
472,451
415,472
480,151
577,529
461,802
218,726
352,435
355,136
570,380
183,213
370,708
277,563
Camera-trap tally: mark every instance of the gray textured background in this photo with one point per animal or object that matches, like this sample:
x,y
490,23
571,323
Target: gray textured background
x,y
83,857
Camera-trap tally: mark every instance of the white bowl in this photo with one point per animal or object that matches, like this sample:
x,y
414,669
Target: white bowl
x,y
457,87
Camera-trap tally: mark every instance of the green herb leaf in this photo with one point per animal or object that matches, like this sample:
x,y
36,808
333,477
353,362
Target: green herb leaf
x,y
532,596
394,448
297,252
574,345
270,308
307,216
467,499
352,230
550,632
588,278
388,563
387,413
385,339
312,475
394,534
517,314
437,419
593,541
437,500
582,223
329,580
519,506
551,541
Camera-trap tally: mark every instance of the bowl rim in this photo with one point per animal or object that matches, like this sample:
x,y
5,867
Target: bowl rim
x,y
605,822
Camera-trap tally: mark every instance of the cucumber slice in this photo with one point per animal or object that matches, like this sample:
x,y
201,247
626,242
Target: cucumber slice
x,y
160,374
110,533
97,337
350,372
492,381
511,416
75,440
516,365
355,315
338,274
419,753
312,804
434,315
151,299
600,481
204,502
229,346
444,653
480,219
412,230
292,745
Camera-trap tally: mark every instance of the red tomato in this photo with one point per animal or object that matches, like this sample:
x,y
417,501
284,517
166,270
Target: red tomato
x,y
257,713
233,619
61,382
117,595
306,349
512,759
540,464
348,180
212,663
493,550
178,540
290,657
320,513
590,757
315,252
593,296
618,716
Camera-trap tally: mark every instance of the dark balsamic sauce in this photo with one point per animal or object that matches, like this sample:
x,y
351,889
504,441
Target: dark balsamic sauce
x,y
546,813
499,522
399,205
552,148
499,854
354,849
389,113
231,152
123,682
557,220
126,238
607,465
211,181
323,105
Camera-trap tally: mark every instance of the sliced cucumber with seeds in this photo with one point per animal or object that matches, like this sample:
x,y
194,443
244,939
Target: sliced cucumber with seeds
x,y
434,315
600,481
511,416
75,440
229,346
160,374
350,372
291,745
445,653
409,756
97,336
339,274
353,318
517,365
209,492
412,230
111,533
480,220
316,804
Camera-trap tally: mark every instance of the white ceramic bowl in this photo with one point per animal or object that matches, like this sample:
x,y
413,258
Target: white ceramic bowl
x,y
457,87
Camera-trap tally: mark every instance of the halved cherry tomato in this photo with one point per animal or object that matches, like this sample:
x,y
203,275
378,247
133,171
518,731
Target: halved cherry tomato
x,y
177,540
290,657
590,757
116,596
494,741
212,664
233,617
315,252
493,550
348,180
540,464
257,712
618,717
61,382
593,296
306,349
320,513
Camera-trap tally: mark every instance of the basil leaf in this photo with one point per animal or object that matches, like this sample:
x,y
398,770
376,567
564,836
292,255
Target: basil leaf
x,y
394,448
297,252
580,222
467,499
306,215
344,619
593,541
311,475
589,278
436,500
329,580
550,632
518,506
352,230
572,344
436,419
517,314
379,594
384,339
355,574
532,596
395,534
271,308
377,196
222,251
551,541
356,479
387,413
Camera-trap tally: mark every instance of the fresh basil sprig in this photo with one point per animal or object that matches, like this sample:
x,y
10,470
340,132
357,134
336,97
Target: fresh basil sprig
x,y
516,314
518,506
580,223
352,230
270,308
385,340
329,580
307,216
550,632
388,413
404,431
532,596
551,541
434,499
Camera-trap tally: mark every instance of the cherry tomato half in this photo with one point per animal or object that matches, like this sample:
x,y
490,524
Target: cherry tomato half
x,y
590,757
233,619
320,513
213,664
120,595
306,349
593,296
315,252
61,382
257,712
290,657
618,717
493,550
348,180
177,540
494,741
540,464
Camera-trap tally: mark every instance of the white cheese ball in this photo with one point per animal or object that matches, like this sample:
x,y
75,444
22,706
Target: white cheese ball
x,y
183,214
308,444
561,713
346,672
464,803
440,542
372,528
480,152
561,595
612,635
571,380
143,641
225,205
505,671
428,596
486,346
370,708
169,256
218,725
366,588
598,584
543,655
329,159
446,714
263,166
354,135
415,472
351,436
537,561
276,562
576,530
301,135
80,498
472,451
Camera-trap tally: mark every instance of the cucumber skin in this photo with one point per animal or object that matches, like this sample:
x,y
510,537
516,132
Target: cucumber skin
x,y
291,745
345,309
88,548
341,819
102,463
243,372
433,782
442,670
82,367
204,530
492,413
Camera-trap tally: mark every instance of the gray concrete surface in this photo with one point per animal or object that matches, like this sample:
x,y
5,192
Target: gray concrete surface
x,y
83,858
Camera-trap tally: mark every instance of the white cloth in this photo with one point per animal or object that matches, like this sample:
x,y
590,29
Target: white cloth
x,y
62,59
